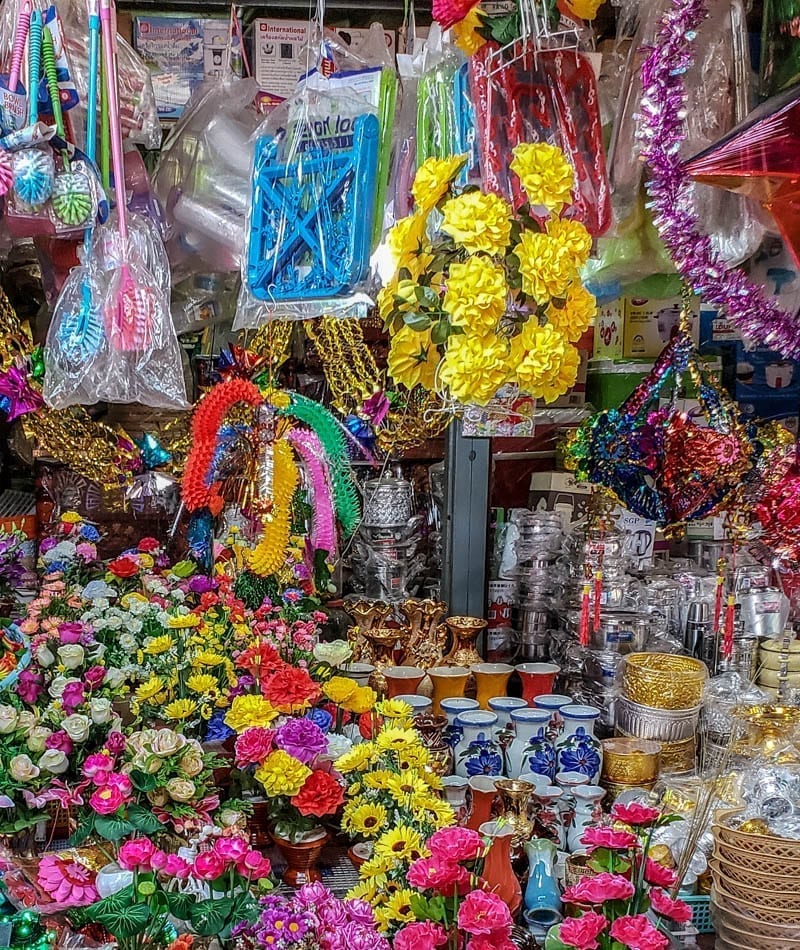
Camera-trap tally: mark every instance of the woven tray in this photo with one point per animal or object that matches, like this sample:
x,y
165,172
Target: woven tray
x,y
745,874
757,862
780,912
759,890
755,921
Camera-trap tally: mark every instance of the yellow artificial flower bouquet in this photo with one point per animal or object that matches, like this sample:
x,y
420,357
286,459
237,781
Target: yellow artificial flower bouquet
x,y
483,295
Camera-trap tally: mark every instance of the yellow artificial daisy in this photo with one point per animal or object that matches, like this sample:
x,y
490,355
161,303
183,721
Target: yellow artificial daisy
x,y
576,316
184,621
466,35
479,223
379,779
282,774
393,709
405,785
363,891
249,711
395,739
201,683
180,709
363,700
433,179
158,645
399,905
545,174
367,820
573,236
149,689
376,867
473,368
339,689
355,759
414,758
402,843
405,239
413,358
547,268
476,295
208,658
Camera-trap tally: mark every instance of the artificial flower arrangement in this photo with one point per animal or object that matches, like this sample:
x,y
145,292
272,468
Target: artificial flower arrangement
x,y
484,294
311,919
13,545
453,905
627,903
393,801
70,554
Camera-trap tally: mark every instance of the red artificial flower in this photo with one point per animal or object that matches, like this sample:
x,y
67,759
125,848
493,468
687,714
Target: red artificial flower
x,y
290,688
208,599
253,746
320,795
663,904
602,836
260,660
484,913
437,875
148,545
449,12
638,933
599,889
123,567
657,875
635,815
582,932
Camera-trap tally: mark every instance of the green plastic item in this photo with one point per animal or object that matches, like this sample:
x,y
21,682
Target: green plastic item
x,y
610,382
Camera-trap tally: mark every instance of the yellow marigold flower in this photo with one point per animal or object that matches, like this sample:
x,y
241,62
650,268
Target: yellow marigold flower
x,y
546,267
476,295
180,709
573,236
399,906
547,364
413,358
379,779
405,238
393,709
465,33
208,658
184,621
564,378
433,179
545,174
339,689
201,683
249,711
362,700
149,689
577,314
366,820
479,223
396,739
282,774
355,760
474,368
158,645
402,843
71,517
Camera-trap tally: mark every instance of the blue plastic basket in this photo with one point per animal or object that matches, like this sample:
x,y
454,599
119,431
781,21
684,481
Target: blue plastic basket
x,y
701,912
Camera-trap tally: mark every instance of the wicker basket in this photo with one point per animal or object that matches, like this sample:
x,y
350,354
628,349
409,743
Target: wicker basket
x,y
766,845
753,908
760,891
661,725
663,680
757,864
745,874
736,917
728,938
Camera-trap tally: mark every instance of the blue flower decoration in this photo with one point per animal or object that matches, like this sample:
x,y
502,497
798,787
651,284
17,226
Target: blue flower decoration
x,y
541,759
321,718
89,532
56,566
580,755
217,731
482,758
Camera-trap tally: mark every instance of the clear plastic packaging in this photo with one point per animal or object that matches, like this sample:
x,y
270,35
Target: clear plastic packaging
x,y
311,210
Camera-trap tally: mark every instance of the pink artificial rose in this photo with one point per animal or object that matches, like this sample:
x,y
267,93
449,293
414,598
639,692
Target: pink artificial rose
x,y
158,860
115,743
484,913
657,875
106,800
436,874
663,904
635,815
70,632
136,853
208,866
60,741
455,844
30,686
253,746
424,935
29,626
493,941
231,849
86,551
72,697
98,766
94,676
599,889
121,782
582,932
178,867
637,933
602,836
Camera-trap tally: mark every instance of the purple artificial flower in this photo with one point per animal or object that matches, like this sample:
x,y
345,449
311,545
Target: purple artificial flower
x,y
314,896
60,741
47,544
70,632
115,743
72,697
353,936
200,584
94,676
360,912
301,738
30,686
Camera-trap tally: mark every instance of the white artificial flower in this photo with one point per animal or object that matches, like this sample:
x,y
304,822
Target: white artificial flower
x,y
9,719
71,655
77,727
54,761
22,769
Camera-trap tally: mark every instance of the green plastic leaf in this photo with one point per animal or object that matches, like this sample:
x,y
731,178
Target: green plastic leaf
x,y
112,829
142,781
143,820
552,940
131,921
180,905
427,296
440,332
209,917
416,320
504,29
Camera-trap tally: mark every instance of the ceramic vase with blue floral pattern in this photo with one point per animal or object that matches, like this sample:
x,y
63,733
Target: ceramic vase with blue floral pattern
x,y
477,752
531,749
452,707
577,748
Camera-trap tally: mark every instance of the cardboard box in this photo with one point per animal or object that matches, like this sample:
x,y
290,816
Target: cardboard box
x,y
763,373
609,327
651,324
716,330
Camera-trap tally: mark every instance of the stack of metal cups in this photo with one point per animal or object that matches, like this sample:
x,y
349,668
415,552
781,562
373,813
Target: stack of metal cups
x,y
540,539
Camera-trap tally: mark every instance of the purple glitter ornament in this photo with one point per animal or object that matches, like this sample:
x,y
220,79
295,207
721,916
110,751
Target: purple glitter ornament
x,y
662,130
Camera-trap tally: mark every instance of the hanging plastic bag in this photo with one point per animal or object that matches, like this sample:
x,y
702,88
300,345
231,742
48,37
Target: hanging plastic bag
x,y
311,210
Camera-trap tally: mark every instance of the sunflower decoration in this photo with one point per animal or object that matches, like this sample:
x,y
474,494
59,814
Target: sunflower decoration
x,y
275,465
484,295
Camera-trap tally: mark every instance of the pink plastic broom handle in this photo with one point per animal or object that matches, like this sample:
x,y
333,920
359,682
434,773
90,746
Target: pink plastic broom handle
x,y
20,36
113,120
